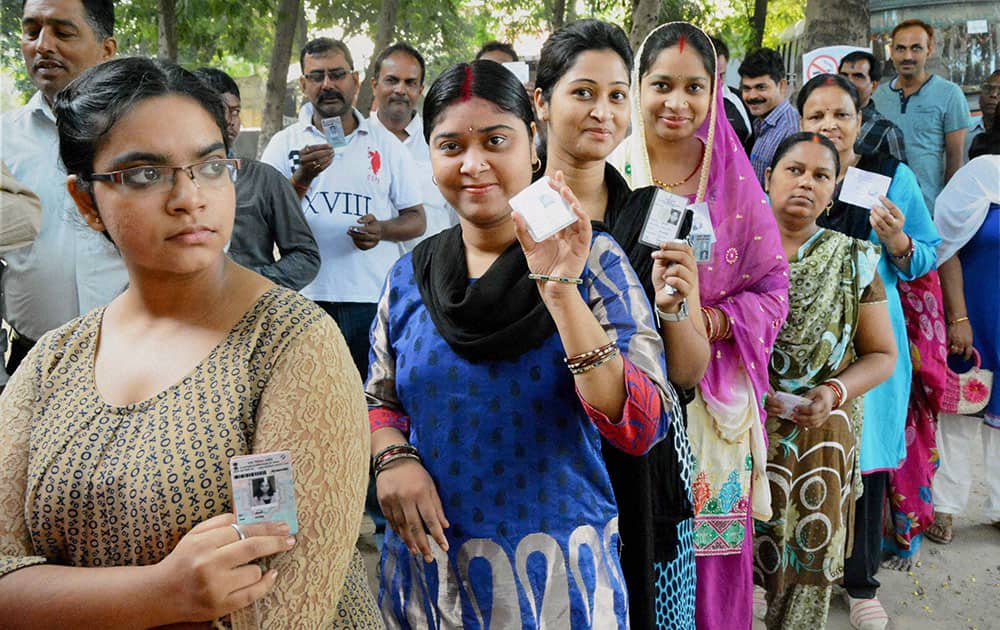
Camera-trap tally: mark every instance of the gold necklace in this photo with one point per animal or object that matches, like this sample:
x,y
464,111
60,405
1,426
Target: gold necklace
x,y
670,187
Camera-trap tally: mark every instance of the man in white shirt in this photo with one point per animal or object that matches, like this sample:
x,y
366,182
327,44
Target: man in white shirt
x,y
355,198
397,86
69,269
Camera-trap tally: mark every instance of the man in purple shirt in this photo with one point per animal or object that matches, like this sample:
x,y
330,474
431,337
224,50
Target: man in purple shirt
x,y
763,85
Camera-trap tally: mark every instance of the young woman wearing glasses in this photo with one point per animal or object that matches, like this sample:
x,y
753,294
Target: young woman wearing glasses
x,y
117,430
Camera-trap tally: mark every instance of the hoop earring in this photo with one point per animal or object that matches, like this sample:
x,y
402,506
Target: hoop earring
x,y
434,180
536,165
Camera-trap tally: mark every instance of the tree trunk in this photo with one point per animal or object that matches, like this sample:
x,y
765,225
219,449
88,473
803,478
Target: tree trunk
x,y
558,15
758,22
277,74
301,32
645,17
832,22
385,30
167,30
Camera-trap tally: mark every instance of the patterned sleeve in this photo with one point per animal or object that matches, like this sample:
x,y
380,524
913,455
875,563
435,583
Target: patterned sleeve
x,y
384,408
619,303
16,410
905,193
897,145
313,405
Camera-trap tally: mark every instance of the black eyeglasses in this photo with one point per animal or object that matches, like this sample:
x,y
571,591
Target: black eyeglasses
x,y
211,174
336,74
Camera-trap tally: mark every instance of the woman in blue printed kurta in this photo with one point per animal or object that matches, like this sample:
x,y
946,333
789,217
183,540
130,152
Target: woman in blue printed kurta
x,y
468,367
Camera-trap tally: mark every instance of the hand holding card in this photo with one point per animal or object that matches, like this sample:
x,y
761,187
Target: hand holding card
x,y
562,253
263,489
543,209
863,188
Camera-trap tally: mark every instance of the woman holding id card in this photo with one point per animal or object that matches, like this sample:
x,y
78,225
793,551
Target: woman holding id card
x,y
118,430
828,354
498,363
582,93
683,144
898,443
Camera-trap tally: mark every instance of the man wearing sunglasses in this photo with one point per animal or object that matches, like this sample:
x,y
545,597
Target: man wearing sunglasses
x,y
70,269
359,187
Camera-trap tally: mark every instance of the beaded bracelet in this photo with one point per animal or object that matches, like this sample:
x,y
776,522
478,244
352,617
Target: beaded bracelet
x,y
591,357
576,371
586,355
560,279
394,458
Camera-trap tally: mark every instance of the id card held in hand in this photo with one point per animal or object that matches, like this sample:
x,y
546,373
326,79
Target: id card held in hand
x,y
333,128
263,489
664,219
543,209
863,188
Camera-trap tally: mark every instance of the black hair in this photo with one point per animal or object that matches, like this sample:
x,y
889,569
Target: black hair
x,y
669,36
805,136
874,69
763,61
503,47
827,80
92,104
100,14
560,50
218,81
403,48
988,142
721,49
322,45
483,78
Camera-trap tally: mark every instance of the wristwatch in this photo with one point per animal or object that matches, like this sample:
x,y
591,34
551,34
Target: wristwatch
x,y
679,316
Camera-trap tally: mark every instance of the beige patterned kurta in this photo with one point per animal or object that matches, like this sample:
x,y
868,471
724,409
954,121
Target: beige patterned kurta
x,y
89,484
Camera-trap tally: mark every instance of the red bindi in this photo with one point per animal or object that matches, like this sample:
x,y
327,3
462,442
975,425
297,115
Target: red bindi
x,y
681,42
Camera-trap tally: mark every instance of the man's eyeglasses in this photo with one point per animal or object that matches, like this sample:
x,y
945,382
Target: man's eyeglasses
x,y
211,174
990,89
336,74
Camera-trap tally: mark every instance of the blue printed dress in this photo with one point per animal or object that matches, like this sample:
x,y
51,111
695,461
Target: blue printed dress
x,y
516,457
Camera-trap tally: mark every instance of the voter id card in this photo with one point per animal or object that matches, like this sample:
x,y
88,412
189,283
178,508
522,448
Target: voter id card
x,y
863,188
702,236
789,403
333,129
664,219
263,489
543,209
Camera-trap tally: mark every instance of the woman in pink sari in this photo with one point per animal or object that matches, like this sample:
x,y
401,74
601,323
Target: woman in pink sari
x,y
679,129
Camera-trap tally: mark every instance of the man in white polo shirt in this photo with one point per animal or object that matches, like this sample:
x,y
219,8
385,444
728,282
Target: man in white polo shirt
x,y
355,198
397,86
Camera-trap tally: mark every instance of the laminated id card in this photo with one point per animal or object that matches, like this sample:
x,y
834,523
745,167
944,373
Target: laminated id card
x,y
702,236
333,128
790,402
664,219
263,489
543,209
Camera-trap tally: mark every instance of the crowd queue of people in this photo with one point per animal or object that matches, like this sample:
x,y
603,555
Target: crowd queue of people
x,y
587,431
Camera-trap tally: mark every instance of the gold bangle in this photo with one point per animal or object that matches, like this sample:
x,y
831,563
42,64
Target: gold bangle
x,y
958,320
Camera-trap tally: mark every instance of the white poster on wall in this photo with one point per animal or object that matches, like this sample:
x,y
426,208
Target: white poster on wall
x,y
977,27
825,60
